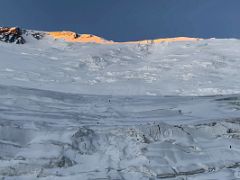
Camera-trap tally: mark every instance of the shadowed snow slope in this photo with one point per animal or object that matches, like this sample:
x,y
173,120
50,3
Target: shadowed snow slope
x,y
119,111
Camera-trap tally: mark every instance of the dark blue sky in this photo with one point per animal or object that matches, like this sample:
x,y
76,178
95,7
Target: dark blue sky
x,y
123,20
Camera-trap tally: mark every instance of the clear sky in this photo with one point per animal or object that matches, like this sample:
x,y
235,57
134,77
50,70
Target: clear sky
x,y
123,20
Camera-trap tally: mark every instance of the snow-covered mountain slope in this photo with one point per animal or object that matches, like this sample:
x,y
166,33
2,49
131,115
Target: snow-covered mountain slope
x,y
204,67
147,110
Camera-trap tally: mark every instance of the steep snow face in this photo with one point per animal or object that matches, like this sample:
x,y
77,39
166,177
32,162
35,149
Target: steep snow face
x,y
206,67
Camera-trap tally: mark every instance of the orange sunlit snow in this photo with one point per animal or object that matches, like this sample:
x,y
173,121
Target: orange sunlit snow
x,y
74,37
88,38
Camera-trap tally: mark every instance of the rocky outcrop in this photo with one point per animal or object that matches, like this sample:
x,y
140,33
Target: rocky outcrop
x,y
37,35
11,35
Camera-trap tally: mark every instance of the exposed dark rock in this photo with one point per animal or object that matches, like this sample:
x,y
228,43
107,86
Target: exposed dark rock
x,y
76,35
176,174
37,36
62,162
193,172
230,131
234,165
11,35
166,175
85,141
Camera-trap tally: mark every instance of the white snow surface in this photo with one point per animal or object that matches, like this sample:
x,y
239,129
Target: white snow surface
x,y
205,67
120,112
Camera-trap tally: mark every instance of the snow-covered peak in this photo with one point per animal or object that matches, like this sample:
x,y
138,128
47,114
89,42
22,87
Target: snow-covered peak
x,y
69,36
186,66
19,36
74,37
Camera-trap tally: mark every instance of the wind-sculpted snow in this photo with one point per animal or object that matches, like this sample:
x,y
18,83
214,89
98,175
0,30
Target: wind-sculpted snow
x,y
150,111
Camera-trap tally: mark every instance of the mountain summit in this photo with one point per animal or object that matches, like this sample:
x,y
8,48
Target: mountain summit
x,y
11,35
74,37
16,35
